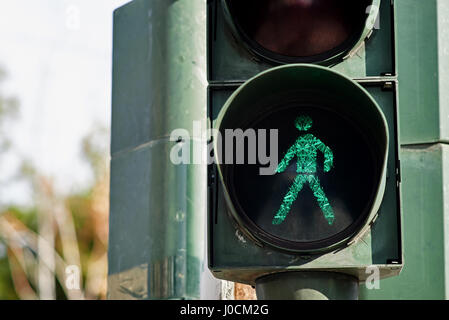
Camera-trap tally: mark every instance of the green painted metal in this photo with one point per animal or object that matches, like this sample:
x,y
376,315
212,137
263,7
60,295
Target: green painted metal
x,y
230,61
423,57
157,209
307,286
425,186
443,68
423,61
159,70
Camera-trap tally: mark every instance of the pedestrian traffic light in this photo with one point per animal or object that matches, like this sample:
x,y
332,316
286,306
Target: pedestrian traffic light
x,y
306,171
334,141
300,31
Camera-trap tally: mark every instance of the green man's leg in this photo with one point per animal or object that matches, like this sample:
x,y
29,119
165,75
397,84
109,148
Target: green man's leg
x,y
290,197
322,199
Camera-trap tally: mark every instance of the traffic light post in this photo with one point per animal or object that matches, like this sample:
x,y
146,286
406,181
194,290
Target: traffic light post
x,y
304,191
422,41
157,209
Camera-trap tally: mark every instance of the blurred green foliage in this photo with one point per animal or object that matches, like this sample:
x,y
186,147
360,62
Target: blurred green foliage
x,y
86,212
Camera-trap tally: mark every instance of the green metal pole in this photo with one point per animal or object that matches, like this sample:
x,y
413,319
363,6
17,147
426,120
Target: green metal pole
x,y
157,208
307,286
422,43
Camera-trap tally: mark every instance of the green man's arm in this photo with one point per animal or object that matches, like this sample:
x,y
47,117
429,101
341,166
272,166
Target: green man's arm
x,y
287,158
328,154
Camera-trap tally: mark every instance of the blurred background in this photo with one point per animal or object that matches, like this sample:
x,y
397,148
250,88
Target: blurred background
x,y
55,100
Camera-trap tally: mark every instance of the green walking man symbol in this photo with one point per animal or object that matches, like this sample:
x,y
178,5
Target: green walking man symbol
x,y
305,149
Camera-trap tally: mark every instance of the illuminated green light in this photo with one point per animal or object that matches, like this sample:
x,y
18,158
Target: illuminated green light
x,y
305,149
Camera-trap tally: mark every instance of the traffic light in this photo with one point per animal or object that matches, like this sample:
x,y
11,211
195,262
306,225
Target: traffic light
x,y
306,171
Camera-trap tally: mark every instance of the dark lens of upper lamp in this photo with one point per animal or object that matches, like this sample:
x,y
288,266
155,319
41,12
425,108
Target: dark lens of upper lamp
x,y
300,28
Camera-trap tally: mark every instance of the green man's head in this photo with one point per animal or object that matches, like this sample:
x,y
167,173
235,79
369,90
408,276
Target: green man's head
x,y
303,123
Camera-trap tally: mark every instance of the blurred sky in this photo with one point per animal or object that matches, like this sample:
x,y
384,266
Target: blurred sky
x,y
58,57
